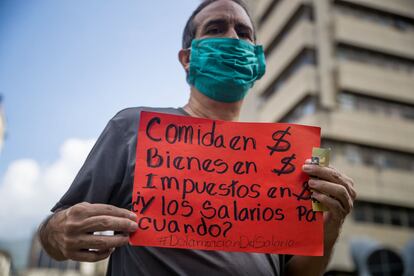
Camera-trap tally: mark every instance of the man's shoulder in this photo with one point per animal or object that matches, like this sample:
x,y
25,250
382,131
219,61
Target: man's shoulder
x,y
129,117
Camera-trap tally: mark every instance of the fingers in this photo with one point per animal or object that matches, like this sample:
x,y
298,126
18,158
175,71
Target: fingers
x,y
110,210
338,192
331,175
334,206
84,210
89,256
332,188
104,223
99,242
308,161
79,221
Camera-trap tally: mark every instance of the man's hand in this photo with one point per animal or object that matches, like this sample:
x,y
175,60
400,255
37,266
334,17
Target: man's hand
x,y
335,191
68,234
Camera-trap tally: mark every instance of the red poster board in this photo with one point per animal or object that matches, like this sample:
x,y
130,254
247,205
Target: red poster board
x,y
231,186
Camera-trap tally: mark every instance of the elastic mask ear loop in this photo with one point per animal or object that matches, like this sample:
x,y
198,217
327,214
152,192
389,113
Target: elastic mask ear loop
x,y
189,60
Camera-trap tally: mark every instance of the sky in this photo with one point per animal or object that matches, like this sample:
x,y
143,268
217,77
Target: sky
x,y
66,68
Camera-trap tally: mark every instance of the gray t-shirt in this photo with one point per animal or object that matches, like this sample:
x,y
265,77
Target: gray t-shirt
x,y
107,177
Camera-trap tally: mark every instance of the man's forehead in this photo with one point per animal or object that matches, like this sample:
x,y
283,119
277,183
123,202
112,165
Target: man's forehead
x,y
225,9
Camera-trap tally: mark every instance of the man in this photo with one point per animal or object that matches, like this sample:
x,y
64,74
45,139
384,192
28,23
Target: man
x,y
222,63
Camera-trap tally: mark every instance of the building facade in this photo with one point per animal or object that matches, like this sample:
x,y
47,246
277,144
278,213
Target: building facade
x,y
348,67
5,263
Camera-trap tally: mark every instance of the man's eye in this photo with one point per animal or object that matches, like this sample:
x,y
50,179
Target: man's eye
x,y
244,35
213,31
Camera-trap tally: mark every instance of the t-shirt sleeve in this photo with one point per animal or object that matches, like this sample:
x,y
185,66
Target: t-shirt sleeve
x,y
102,171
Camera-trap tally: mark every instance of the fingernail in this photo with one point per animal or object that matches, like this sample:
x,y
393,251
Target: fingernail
x,y
311,183
308,160
133,226
307,168
133,216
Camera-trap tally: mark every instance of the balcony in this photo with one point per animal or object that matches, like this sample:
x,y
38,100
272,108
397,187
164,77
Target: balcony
x,y
260,8
365,128
277,20
400,7
301,37
376,81
389,186
372,36
295,89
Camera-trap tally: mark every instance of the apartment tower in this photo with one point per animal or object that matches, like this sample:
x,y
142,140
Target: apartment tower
x,y
348,67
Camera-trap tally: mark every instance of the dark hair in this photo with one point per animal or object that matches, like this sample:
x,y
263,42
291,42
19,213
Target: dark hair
x,y
191,28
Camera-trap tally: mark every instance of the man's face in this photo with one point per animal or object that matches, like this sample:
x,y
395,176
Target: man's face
x,y
224,19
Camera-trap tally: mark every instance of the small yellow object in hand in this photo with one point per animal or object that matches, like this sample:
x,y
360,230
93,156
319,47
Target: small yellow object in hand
x,y
320,157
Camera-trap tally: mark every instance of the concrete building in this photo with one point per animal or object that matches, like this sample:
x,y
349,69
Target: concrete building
x,y
5,263
348,67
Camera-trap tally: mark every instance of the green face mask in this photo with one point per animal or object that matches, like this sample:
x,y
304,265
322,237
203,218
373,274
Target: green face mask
x,y
224,69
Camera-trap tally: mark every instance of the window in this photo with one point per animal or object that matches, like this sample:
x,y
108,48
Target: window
x,y
353,155
369,156
306,57
397,218
303,13
385,214
360,214
306,107
353,102
411,219
388,62
268,11
379,215
397,22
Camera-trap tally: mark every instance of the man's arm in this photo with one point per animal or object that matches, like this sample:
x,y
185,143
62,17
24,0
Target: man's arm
x,y
68,234
312,266
335,191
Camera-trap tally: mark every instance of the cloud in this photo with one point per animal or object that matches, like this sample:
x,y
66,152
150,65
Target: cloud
x,y
28,190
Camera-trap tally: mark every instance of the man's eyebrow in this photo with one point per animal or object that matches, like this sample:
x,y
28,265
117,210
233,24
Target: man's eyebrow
x,y
219,21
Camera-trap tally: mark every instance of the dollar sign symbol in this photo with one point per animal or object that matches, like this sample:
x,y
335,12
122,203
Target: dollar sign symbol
x,y
288,167
281,144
